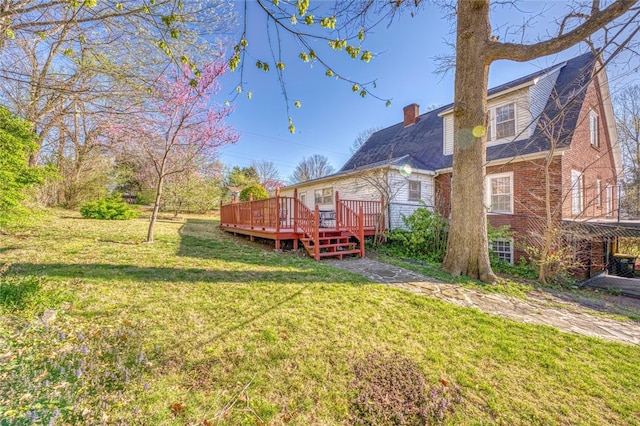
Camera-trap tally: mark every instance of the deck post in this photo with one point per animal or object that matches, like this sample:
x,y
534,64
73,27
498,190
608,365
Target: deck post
x,y
251,211
316,234
338,221
383,220
277,218
295,211
361,230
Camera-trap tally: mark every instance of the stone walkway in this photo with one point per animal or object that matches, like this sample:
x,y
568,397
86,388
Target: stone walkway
x,y
538,308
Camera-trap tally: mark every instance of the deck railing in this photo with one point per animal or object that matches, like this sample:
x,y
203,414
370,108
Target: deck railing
x,y
273,213
278,214
373,216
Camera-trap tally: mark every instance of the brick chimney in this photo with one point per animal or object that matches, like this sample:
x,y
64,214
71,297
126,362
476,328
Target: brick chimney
x,y
411,113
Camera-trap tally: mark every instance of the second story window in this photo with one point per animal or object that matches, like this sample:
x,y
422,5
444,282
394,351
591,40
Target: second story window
x,y
593,129
505,121
502,122
414,190
323,196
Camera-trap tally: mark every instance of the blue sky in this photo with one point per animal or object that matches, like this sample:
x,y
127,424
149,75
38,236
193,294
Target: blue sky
x,y
332,116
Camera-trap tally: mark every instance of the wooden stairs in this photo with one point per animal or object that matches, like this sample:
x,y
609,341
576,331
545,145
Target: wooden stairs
x,y
331,243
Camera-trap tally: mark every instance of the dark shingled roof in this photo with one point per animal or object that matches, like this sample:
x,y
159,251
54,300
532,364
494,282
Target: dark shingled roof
x,y
423,141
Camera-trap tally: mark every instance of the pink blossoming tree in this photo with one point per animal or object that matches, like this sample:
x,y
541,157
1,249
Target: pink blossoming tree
x,y
177,125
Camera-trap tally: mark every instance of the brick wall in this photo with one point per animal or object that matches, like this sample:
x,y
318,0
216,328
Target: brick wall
x,y
529,215
596,163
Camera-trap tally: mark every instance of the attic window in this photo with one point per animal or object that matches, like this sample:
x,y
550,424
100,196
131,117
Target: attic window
x,y
593,128
502,122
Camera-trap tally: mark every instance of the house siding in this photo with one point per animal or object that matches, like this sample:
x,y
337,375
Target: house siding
x,y
360,187
595,163
539,95
400,206
349,188
523,119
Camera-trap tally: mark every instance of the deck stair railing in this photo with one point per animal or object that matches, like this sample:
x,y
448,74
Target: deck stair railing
x,y
279,216
351,220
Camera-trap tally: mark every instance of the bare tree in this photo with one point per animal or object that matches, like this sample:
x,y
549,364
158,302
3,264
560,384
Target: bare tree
x,y
388,184
313,167
362,138
627,108
268,174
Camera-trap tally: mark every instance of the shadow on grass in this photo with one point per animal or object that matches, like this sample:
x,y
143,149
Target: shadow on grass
x,y
202,238
109,272
17,292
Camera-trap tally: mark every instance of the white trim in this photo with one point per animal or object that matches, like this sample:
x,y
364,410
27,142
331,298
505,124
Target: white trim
x,y
609,117
323,196
491,138
339,176
517,158
409,190
501,93
608,194
488,194
598,193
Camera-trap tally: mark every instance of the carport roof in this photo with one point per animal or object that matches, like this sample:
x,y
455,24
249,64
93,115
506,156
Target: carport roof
x,y
625,228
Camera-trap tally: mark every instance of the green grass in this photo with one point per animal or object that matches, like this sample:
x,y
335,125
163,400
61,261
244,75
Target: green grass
x,y
201,325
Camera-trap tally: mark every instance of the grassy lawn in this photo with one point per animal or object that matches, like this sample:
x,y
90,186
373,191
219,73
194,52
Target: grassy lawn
x,y
203,328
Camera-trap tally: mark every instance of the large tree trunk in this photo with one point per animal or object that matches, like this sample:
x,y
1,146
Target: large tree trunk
x,y
467,245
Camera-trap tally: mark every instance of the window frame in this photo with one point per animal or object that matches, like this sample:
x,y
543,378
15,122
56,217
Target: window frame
x,y
323,198
608,193
492,131
598,193
410,190
577,192
489,194
302,196
593,132
500,254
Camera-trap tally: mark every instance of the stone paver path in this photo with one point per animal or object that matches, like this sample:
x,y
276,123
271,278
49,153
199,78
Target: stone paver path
x,y
538,308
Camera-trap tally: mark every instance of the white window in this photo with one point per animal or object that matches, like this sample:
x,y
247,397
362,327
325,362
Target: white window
x,y
323,196
608,193
577,189
303,197
503,249
598,193
502,122
593,128
500,193
414,190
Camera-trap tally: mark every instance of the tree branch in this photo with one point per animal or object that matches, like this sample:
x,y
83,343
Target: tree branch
x,y
523,53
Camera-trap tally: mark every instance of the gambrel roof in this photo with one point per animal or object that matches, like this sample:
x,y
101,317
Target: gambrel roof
x,y
423,141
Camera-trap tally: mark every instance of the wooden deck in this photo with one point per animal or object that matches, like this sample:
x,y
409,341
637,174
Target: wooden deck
x,y
323,233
